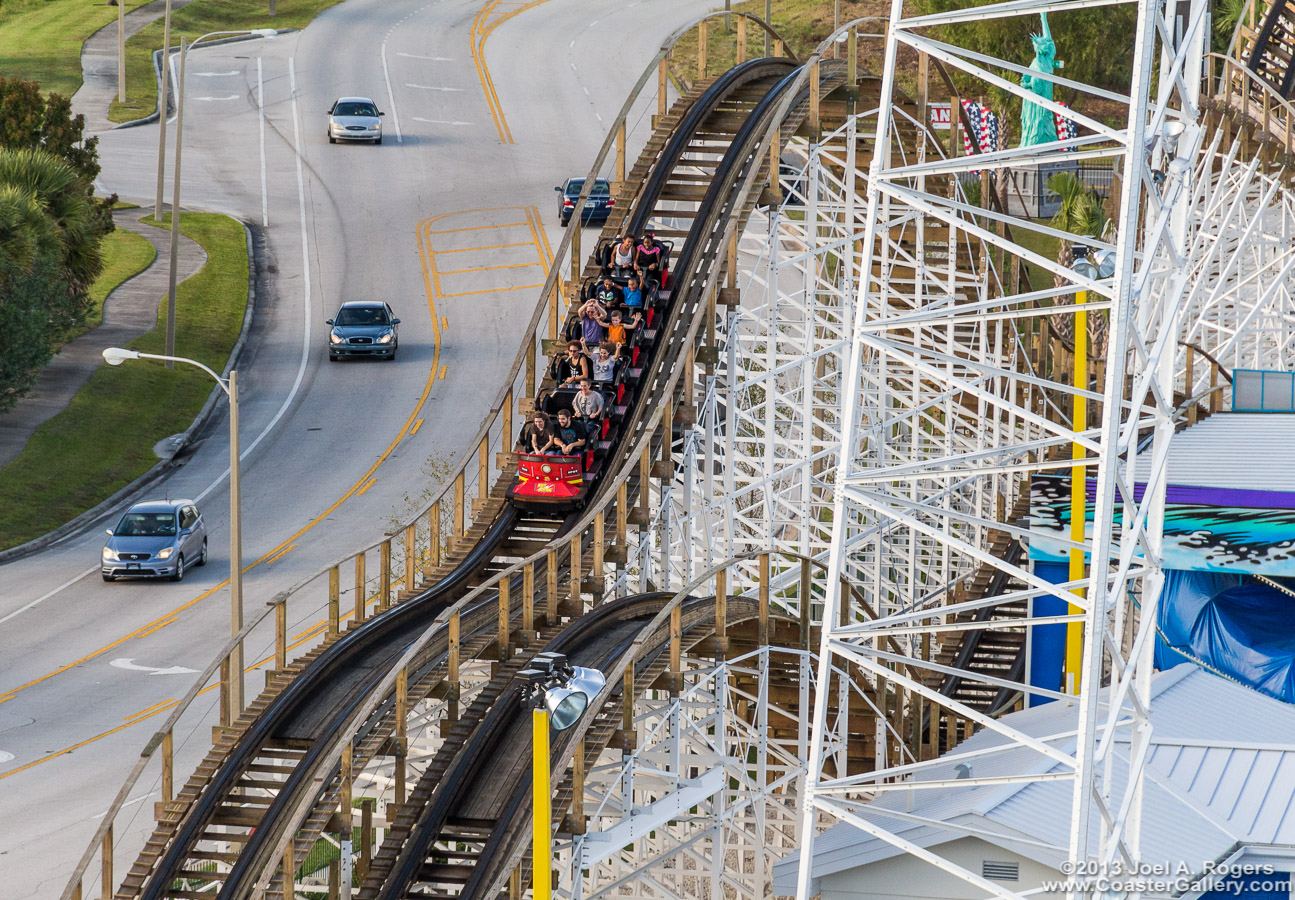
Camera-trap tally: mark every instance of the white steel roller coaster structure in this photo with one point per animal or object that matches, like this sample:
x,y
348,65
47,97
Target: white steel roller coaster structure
x,y
918,364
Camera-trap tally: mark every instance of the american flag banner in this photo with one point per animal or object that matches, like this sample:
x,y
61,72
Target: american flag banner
x,y
1066,128
985,122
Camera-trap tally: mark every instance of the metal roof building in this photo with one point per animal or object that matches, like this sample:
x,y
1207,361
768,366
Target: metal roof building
x,y
1220,784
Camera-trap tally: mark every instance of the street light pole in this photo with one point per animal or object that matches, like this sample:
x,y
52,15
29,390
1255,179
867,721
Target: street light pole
x,y
542,851
175,187
161,112
121,51
1078,475
115,356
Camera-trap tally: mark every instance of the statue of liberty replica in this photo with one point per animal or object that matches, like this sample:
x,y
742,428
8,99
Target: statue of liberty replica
x,y
1037,123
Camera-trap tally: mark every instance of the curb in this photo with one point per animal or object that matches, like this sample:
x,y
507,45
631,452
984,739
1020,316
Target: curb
x,y
185,446
170,91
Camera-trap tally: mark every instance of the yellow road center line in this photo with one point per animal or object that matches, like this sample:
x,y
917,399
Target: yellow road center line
x,y
444,369
368,484
414,430
158,625
486,268
152,709
445,322
278,556
480,34
489,247
518,287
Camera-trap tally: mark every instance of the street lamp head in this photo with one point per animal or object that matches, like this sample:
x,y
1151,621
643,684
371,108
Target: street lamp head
x,y
565,706
115,356
1081,265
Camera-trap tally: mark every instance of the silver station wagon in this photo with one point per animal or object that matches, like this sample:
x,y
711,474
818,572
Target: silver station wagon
x,y
156,539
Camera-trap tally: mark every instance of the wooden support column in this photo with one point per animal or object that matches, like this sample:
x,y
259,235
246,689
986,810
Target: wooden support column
x,y
600,552
662,85
347,777
622,516
334,879
289,874
483,469
361,588
1216,396
411,555
555,314
551,599
530,345
806,604
1189,379
528,602
384,589
815,120
619,173
452,667
852,59
456,512
627,709
433,540
577,216
775,160
764,600
402,736
224,691
645,473
574,564
168,767
505,614
280,635
506,422
578,789
334,601
778,47
741,39
721,614
667,439
702,39
676,651
366,839
105,864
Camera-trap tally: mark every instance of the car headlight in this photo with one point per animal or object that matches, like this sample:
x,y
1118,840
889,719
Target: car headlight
x,y
109,553
385,339
165,552
336,338
377,126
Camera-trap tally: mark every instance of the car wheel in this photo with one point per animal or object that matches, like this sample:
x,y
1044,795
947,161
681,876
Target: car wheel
x,y
331,139
202,560
379,140
564,222
179,569
332,357
107,577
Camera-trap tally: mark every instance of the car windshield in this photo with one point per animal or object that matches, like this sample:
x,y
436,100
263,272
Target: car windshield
x,y
362,315
355,109
141,524
600,189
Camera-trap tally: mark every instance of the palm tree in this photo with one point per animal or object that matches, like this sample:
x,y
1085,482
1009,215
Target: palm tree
x,y
25,228
65,198
1081,213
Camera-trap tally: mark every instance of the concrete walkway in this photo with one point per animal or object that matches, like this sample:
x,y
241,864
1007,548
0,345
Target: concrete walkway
x,y
99,64
130,311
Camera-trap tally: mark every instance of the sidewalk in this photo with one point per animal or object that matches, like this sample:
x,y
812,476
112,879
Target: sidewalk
x,y
129,311
99,64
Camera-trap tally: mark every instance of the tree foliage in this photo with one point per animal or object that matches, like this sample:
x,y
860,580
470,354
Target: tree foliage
x,y
51,229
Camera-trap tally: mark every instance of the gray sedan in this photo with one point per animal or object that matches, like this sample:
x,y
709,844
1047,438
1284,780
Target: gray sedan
x,y
363,328
156,539
355,119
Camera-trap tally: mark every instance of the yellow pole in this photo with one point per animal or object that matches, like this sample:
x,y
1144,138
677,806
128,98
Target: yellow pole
x,y
542,847
1078,497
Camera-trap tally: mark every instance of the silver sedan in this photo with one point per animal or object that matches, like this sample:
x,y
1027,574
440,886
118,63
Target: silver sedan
x,y
157,539
355,119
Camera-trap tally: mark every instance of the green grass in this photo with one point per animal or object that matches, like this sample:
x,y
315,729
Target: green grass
x,y
192,21
125,254
104,439
41,40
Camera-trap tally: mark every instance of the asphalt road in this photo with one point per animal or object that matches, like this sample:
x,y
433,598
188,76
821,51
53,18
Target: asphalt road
x,y
332,451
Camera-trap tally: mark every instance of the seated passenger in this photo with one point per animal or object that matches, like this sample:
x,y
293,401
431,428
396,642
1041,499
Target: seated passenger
x,y
588,406
605,257
633,294
567,436
649,260
618,329
605,364
572,367
591,331
537,436
608,294
622,257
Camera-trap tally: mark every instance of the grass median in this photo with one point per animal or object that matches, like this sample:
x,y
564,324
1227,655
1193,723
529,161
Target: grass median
x,y
125,255
41,40
192,21
104,439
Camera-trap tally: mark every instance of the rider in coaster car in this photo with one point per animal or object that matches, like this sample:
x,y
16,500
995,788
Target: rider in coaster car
x,y
569,369
538,436
567,438
649,260
588,407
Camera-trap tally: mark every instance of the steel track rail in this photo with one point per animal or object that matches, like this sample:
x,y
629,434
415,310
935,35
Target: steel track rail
x,y
379,637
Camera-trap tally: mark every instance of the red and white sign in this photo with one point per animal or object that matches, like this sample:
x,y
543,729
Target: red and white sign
x,y
939,116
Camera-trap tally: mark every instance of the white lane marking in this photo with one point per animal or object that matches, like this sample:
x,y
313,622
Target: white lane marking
x,y
572,44
215,74
573,66
586,90
599,116
432,87
391,95
67,584
260,110
5,756
591,24
210,99
431,58
129,664
440,121
140,799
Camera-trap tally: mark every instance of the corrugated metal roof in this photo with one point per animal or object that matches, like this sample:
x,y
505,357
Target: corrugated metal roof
x,y
1222,772
1231,450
